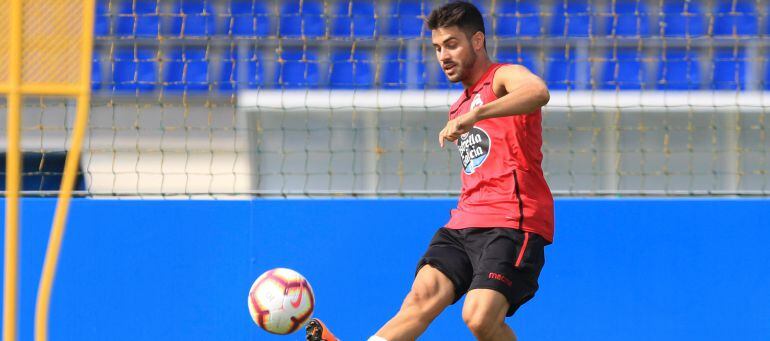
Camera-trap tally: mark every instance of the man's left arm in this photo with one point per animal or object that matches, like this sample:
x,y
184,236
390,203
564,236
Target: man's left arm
x,y
519,92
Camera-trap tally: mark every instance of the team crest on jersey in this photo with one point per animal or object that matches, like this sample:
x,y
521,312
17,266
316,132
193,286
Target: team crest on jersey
x,y
474,149
476,102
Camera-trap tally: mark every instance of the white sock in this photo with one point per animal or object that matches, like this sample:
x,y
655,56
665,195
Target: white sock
x,y
376,338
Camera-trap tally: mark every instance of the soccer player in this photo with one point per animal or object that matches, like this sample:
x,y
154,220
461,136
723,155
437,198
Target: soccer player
x,y
492,248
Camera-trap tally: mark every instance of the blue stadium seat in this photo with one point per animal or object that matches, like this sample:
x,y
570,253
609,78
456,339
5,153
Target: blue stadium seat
x,y
189,18
135,71
96,72
574,20
138,21
401,72
624,70
683,18
405,18
102,20
741,20
249,18
229,74
394,69
354,18
514,56
766,81
309,21
485,7
562,70
631,18
678,69
351,69
729,69
765,12
517,18
187,69
299,69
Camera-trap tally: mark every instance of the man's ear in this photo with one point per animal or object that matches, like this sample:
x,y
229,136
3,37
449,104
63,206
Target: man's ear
x,y
478,40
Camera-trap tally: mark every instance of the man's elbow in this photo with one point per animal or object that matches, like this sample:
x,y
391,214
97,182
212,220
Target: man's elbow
x,y
541,94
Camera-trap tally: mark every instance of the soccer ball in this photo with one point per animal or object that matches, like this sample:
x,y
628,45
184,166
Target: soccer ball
x,y
281,301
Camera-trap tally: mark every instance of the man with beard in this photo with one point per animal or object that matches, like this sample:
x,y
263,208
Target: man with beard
x,y
492,248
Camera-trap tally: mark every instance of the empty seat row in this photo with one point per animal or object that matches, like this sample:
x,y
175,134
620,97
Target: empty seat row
x,y
196,69
672,69
138,69
403,18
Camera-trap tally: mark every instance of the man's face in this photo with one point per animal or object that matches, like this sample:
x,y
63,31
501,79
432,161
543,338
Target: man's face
x,y
454,51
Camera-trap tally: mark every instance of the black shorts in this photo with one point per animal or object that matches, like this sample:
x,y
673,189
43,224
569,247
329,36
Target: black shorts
x,y
502,259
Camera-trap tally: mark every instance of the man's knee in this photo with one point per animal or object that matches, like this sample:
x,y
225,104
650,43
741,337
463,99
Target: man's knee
x,y
429,296
422,304
484,314
482,324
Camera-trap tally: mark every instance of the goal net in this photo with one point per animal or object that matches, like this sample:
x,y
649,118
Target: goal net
x,y
345,97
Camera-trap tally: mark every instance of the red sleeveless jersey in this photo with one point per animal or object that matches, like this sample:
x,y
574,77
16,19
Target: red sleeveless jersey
x,y
502,180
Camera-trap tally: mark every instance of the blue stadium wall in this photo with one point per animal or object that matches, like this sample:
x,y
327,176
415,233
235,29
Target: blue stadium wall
x,y
621,269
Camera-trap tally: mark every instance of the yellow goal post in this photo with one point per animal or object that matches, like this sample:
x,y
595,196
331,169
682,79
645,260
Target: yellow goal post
x,y
45,50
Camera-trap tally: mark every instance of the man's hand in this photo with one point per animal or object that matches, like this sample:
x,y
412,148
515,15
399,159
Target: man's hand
x,y
458,126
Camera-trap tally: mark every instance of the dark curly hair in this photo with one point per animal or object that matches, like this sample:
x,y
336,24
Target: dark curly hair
x,y
462,14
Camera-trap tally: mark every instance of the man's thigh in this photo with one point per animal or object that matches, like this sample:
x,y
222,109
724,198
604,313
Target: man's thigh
x,y
432,289
507,261
446,259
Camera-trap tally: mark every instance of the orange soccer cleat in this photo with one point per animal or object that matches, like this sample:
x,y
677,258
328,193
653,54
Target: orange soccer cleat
x,y
317,331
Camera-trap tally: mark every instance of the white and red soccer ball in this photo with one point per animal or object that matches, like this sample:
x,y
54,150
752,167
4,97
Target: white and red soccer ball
x,y
281,301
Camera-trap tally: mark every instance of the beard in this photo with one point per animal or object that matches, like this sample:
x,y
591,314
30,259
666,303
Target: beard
x,y
463,68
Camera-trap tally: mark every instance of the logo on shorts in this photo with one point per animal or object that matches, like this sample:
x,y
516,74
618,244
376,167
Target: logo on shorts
x,y
500,278
474,149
